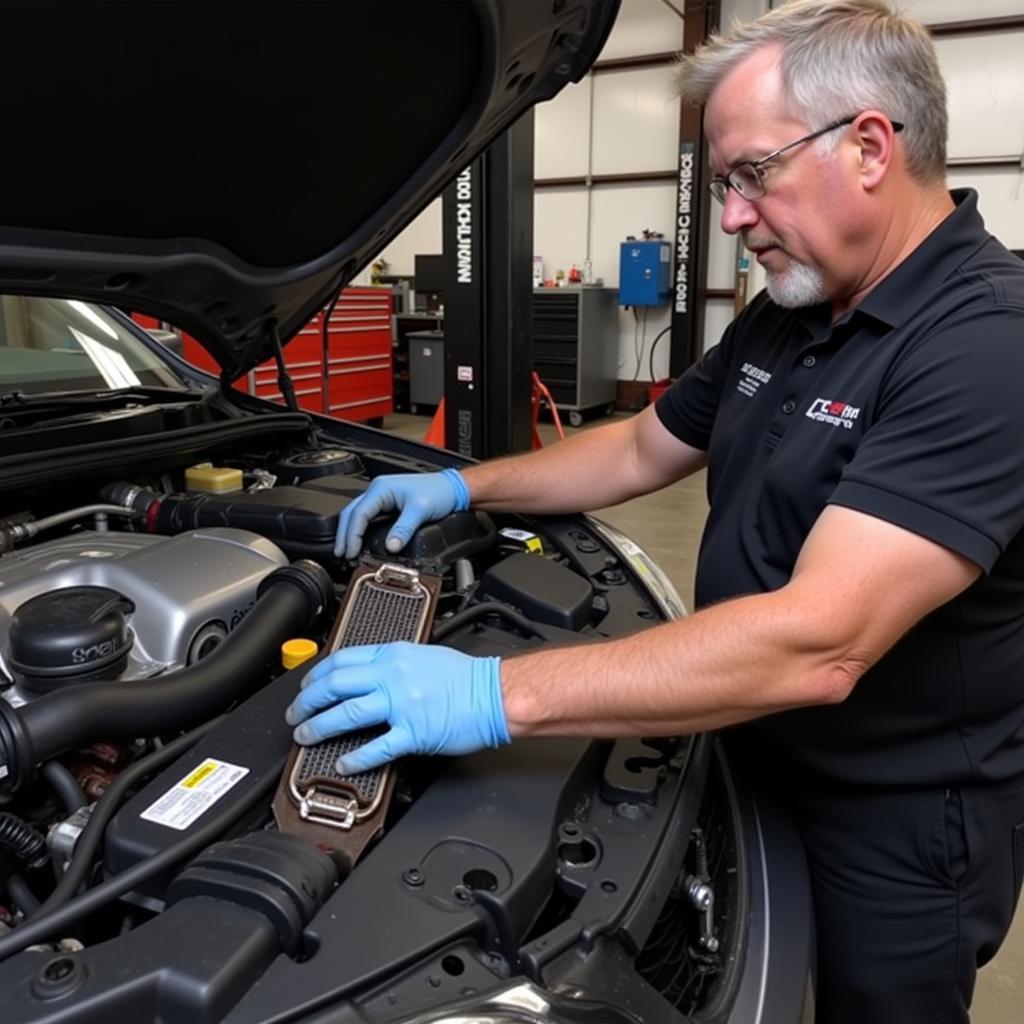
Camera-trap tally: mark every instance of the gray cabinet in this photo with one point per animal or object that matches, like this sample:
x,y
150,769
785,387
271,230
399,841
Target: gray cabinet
x,y
426,368
576,347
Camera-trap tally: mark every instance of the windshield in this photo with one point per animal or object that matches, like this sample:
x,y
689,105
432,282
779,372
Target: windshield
x,y
66,345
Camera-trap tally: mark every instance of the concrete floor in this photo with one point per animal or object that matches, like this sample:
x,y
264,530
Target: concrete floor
x,y
668,525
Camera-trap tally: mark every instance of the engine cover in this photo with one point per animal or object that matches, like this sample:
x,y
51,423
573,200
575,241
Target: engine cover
x,y
188,591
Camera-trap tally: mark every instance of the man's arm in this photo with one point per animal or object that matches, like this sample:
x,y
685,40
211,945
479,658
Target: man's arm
x,y
859,584
590,470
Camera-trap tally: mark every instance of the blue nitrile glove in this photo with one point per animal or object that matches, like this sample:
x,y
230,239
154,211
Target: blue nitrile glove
x,y
436,700
419,497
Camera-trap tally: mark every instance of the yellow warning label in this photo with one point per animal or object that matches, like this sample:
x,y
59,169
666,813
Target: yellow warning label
x,y
205,769
189,798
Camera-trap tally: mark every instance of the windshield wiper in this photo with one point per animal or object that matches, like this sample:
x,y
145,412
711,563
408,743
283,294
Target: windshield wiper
x,y
20,400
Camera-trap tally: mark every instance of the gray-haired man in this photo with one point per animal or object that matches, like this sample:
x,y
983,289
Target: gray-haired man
x,y
860,425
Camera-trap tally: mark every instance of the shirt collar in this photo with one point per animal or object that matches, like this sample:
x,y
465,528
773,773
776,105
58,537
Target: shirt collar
x,y
914,281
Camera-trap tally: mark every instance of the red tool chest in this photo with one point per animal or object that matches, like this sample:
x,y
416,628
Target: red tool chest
x,y
359,372
359,368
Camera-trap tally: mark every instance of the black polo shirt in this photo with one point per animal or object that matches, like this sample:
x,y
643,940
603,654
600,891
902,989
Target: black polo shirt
x,y
909,408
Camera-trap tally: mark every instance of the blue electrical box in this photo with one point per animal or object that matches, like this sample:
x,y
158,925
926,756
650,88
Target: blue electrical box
x,y
644,276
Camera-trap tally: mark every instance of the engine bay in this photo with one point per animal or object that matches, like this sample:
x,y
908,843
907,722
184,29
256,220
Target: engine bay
x,y
142,738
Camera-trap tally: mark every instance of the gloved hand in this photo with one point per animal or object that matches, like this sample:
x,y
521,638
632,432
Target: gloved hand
x,y
436,700
419,497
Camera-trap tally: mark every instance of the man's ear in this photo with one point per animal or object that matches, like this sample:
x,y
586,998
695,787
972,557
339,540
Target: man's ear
x,y
875,139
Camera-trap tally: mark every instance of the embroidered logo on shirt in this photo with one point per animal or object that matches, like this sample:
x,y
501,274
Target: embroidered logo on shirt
x,y
753,377
837,414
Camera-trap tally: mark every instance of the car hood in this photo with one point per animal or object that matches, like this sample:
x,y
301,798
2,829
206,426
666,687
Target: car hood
x,y
228,166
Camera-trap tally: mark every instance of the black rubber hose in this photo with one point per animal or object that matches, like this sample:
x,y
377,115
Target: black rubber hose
x,y
23,898
44,926
65,785
478,611
22,840
92,835
654,345
290,602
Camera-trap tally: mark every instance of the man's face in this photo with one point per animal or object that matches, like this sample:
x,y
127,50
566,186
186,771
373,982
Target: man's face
x,y
797,228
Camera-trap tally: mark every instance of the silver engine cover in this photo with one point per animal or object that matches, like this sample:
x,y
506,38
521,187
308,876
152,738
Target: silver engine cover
x,y
186,589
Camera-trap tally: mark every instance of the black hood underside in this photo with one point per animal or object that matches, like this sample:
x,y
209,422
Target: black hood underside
x,y
227,166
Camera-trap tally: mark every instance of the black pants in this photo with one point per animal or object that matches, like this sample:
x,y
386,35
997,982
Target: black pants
x,y
913,892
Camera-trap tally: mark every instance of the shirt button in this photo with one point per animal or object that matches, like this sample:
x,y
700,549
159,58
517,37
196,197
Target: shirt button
x,y
788,406
809,361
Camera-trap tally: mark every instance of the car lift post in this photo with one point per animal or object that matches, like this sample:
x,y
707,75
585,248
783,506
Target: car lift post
x,y
700,20
488,247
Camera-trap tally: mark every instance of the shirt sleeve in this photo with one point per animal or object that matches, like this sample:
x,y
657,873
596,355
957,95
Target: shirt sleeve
x,y
944,456
688,408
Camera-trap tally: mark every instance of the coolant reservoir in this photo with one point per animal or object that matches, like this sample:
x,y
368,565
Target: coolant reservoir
x,y
212,479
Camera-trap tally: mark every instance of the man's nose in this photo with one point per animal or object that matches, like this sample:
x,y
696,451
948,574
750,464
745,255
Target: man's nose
x,y
738,213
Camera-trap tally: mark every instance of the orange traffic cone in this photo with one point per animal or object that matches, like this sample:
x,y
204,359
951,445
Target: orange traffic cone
x,y
539,393
435,432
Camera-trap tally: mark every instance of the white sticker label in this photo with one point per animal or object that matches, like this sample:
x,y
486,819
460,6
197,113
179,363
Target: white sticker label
x,y
194,794
517,534
465,374
635,556
530,540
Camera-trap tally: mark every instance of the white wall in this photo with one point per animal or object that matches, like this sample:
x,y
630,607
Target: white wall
x,y
423,235
621,122
934,12
985,81
1001,200
617,122
635,117
642,27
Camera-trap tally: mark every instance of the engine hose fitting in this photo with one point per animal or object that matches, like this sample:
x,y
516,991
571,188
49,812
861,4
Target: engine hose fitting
x,y
131,496
17,757
23,840
293,600
312,579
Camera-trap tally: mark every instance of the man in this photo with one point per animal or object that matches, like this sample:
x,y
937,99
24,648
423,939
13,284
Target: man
x,y
860,425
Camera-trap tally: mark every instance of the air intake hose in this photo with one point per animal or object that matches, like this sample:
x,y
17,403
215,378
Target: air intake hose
x,y
291,601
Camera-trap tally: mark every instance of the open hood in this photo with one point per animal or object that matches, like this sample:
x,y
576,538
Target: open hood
x,y
227,166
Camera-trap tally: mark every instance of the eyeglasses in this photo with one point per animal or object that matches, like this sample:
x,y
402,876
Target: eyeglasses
x,y
747,178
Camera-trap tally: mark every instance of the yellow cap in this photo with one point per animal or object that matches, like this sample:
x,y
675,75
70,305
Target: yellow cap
x,y
295,652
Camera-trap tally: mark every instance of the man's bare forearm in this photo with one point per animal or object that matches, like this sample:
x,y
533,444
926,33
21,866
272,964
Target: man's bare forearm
x,y
590,470
732,662
859,584
573,475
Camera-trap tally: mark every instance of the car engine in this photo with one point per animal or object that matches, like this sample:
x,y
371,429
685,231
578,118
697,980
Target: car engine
x,y
142,741
181,595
